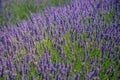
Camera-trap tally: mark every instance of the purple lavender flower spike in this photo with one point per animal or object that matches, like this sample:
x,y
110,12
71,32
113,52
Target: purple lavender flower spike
x,y
7,77
32,78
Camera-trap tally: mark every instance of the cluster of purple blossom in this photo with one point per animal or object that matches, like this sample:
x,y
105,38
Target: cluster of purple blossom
x,y
77,41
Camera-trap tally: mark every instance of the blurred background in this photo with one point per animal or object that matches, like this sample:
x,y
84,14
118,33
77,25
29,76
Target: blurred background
x,y
12,11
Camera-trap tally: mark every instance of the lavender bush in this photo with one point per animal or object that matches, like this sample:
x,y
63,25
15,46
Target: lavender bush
x,y
79,41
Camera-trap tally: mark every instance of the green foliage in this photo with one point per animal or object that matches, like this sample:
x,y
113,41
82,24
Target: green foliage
x,y
109,15
55,2
23,51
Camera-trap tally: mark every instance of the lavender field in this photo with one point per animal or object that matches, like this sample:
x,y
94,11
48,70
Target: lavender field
x,y
76,41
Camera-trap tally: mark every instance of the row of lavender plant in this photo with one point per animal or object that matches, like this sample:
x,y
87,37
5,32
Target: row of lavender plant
x,y
75,42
